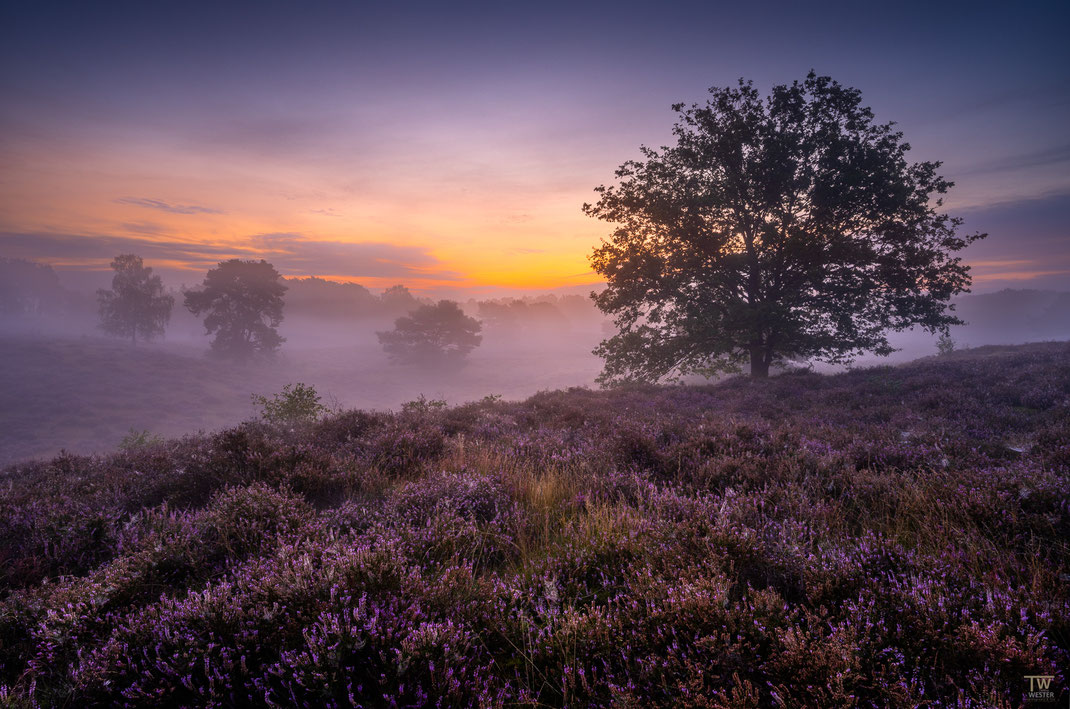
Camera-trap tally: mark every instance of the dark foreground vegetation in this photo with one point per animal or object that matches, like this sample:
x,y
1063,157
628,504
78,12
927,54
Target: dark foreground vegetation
x,y
886,537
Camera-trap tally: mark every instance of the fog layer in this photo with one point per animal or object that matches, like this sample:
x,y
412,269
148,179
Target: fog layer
x,y
63,385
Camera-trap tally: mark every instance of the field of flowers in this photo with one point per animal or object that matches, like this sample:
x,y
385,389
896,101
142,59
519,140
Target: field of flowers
x,y
890,537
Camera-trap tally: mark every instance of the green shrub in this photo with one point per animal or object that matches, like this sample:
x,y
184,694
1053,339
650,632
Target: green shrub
x,y
296,403
139,439
423,405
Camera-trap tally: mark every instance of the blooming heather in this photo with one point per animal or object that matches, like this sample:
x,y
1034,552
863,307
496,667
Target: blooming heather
x,y
887,537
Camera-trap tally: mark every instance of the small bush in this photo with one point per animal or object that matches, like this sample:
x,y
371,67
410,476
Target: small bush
x,y
423,405
139,439
945,345
295,404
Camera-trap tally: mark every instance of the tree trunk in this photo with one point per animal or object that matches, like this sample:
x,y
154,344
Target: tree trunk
x,y
759,363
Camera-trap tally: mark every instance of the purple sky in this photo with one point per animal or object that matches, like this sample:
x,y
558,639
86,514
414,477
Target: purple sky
x,y
449,146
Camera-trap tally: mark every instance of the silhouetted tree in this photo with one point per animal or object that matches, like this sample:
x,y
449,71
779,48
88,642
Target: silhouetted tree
x,y
439,333
780,228
398,299
136,304
316,297
243,300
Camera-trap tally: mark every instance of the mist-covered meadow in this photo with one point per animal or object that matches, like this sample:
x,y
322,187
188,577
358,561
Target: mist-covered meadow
x,y
65,385
86,394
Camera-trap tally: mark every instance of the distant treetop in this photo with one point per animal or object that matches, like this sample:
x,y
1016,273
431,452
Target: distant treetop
x,y
432,334
136,304
243,302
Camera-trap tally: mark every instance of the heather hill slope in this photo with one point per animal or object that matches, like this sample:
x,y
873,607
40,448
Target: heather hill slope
x,y
885,537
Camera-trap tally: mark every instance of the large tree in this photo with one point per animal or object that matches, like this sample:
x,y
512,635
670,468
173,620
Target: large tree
x,y
777,228
136,304
243,302
432,334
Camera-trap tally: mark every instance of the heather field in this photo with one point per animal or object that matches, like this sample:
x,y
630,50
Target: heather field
x,y
887,537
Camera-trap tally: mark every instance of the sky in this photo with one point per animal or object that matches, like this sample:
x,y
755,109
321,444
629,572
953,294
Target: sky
x,y
450,146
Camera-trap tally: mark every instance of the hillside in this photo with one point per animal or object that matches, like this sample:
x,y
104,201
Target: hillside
x,y
892,537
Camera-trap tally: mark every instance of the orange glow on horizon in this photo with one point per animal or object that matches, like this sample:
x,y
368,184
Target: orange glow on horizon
x,y
495,224
1016,275
187,211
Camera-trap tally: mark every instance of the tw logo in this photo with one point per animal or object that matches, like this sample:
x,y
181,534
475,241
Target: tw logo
x,y
1040,688
1042,682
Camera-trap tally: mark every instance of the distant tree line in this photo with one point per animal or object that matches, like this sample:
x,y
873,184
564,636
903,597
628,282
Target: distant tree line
x,y
242,306
517,316
31,294
319,298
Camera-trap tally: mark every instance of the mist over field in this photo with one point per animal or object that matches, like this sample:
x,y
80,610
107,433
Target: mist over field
x,y
65,385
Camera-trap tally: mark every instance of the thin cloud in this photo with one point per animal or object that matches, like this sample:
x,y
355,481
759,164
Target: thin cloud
x,y
296,254
1041,158
167,206
1017,275
1023,97
151,228
290,253
51,246
1001,263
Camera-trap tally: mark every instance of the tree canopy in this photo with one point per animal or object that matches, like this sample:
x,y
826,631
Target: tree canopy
x,y
432,334
397,300
136,304
777,228
243,302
